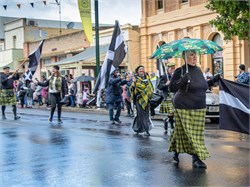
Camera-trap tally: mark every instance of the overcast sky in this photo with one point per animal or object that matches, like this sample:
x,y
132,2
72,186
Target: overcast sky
x,y
126,11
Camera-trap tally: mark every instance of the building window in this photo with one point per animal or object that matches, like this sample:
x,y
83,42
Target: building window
x,y
184,1
159,4
46,61
218,56
14,42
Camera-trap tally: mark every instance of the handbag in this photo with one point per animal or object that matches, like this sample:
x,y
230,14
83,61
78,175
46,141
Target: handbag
x,y
65,100
155,100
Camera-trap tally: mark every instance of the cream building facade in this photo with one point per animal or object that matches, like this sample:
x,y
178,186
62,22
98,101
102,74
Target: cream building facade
x,y
169,20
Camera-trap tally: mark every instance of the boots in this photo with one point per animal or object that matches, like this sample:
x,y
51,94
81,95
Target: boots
x,y
176,157
198,163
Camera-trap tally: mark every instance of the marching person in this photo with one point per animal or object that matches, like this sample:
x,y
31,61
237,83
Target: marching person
x,y
57,89
190,110
141,91
113,96
8,96
167,106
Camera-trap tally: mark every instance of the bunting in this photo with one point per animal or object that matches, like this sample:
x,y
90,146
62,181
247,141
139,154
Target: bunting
x,y
19,5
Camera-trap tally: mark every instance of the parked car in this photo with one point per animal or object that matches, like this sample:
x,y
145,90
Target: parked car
x,y
212,105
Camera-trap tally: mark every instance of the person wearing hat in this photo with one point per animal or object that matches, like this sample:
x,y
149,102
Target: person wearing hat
x,y
57,89
243,76
141,92
8,96
113,96
167,106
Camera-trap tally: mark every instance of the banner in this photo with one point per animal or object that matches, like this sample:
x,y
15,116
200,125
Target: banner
x,y
234,106
85,13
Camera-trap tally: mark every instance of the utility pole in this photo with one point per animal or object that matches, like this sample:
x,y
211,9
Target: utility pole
x,y
97,38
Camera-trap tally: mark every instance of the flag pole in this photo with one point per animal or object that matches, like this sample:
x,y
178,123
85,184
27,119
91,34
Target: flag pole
x,y
20,66
97,38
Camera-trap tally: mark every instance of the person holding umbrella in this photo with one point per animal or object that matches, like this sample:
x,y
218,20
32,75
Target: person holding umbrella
x,y
190,110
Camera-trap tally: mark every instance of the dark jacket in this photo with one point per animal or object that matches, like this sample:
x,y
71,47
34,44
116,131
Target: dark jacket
x,y
64,86
114,89
162,85
195,96
8,83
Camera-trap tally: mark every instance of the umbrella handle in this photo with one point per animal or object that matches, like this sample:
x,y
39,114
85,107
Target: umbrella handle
x,y
187,85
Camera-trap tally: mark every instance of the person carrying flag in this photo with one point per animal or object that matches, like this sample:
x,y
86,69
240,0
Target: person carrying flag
x,y
167,106
7,95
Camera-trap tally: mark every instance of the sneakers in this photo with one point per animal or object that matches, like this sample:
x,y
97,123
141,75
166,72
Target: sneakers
x,y
112,122
117,122
59,121
3,117
17,117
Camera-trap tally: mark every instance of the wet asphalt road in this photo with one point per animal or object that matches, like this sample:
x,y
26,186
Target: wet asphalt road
x,y
86,151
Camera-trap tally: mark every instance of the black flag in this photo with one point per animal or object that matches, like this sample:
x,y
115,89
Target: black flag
x,y
234,106
114,57
34,59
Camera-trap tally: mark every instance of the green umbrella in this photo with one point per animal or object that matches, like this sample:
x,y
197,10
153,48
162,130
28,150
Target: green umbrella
x,y
175,49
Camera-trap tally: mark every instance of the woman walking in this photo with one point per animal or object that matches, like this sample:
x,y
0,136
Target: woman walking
x,y
190,109
141,91
57,89
167,106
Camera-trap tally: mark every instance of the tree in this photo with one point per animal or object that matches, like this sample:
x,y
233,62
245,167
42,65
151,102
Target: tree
x,y
232,18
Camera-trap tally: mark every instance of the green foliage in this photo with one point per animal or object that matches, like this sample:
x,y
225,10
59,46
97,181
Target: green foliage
x,y
232,18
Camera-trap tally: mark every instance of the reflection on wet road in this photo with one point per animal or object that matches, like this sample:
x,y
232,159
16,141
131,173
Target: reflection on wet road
x,y
86,151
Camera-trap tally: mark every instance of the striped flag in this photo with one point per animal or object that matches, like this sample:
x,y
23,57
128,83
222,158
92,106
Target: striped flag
x,y
34,59
234,106
114,57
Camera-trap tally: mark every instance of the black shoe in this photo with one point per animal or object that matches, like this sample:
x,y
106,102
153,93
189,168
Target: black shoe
x,y
176,157
199,164
3,117
117,122
50,120
59,121
147,133
165,123
17,117
112,122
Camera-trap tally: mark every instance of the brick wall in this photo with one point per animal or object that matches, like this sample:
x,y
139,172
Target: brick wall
x,y
150,5
196,2
59,45
170,5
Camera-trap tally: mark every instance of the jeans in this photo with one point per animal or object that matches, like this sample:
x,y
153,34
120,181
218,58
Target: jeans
x,y
72,100
111,110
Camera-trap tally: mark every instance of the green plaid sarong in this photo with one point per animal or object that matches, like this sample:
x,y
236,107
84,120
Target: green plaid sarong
x,y
188,135
7,97
167,106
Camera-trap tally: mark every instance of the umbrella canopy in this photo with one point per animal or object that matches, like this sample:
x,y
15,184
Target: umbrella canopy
x,y
83,78
175,49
